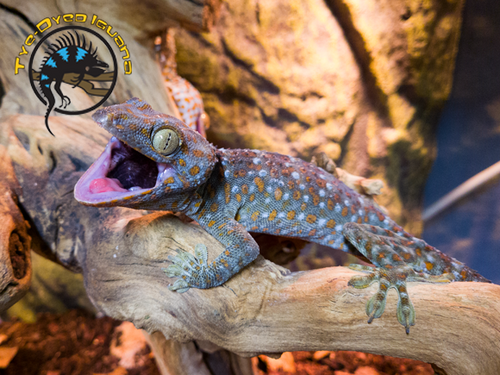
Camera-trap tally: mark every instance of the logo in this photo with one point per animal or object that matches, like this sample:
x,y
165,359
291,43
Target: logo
x,y
70,61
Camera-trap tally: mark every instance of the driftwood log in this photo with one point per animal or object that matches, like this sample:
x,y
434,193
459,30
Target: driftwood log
x,y
121,252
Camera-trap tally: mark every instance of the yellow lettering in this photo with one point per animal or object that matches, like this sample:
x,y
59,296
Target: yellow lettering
x,y
125,49
127,66
68,18
101,24
109,31
18,65
44,21
57,19
80,17
119,41
23,52
93,19
29,40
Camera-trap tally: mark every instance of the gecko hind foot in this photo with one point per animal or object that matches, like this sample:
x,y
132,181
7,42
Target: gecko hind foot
x,y
187,268
387,279
392,278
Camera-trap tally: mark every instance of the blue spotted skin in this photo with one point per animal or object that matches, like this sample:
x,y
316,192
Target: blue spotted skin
x,y
265,192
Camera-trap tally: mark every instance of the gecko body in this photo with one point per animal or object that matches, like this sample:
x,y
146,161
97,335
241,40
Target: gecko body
x,y
232,192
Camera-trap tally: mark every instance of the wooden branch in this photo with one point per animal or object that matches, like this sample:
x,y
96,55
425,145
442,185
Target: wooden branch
x,y
263,309
15,243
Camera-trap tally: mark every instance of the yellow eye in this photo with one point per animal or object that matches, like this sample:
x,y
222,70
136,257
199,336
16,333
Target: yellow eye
x,y
166,141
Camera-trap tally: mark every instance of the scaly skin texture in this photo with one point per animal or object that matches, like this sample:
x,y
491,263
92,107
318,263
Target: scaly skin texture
x,y
231,192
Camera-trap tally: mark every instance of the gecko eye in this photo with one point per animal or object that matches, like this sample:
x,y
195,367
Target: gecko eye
x,y
166,141
87,68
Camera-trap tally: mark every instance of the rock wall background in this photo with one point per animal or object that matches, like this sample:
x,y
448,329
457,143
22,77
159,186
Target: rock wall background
x,y
362,80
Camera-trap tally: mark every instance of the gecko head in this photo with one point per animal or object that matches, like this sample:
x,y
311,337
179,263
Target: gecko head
x,y
150,157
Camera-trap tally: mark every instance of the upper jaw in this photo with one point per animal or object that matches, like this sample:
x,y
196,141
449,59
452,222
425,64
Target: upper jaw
x,y
114,176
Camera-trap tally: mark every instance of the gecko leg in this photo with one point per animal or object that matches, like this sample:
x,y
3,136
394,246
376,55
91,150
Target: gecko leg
x,y
194,271
388,253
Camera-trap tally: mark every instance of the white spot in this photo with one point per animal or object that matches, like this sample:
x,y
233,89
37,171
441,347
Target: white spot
x,y
321,193
339,227
250,173
281,215
386,221
361,200
267,200
321,204
354,218
114,255
347,202
301,216
321,222
226,173
235,189
286,196
306,198
256,161
329,186
338,208
252,188
262,173
281,183
295,175
265,215
302,186
322,176
361,212
287,165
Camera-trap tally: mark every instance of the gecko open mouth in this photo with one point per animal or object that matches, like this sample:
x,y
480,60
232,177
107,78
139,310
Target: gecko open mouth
x,y
120,173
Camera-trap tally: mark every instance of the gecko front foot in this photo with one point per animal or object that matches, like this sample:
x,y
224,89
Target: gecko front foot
x,y
188,269
392,278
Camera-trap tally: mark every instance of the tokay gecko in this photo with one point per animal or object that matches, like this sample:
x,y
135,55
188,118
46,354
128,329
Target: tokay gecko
x,y
154,161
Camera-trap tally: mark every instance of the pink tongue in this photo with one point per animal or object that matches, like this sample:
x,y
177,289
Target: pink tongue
x,y
102,185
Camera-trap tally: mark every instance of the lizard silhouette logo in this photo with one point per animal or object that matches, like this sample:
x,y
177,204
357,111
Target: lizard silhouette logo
x,y
74,59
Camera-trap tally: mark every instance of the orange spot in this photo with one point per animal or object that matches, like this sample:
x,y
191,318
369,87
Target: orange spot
x,y
359,220
311,219
463,274
198,153
303,206
252,197
345,211
272,215
170,180
214,207
238,197
296,195
255,215
194,170
312,233
330,204
211,223
429,266
244,189
182,163
291,184
222,226
290,215
227,191
331,223
227,253
260,184
278,194
315,199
